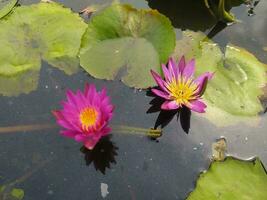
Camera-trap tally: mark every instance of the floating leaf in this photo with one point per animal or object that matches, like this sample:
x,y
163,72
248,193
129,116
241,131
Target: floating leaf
x,y
123,37
233,94
9,193
41,31
25,82
232,179
18,194
6,6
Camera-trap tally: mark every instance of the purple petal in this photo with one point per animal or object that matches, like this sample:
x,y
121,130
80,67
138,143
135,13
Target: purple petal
x,y
169,105
189,69
160,93
172,68
158,80
202,81
197,106
166,73
181,64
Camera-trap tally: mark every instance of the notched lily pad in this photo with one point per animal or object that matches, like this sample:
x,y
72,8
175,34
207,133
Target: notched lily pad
x,y
45,31
232,179
6,6
120,37
233,94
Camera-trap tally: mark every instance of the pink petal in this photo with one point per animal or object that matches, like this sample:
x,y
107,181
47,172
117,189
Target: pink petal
x,y
197,106
181,64
80,137
158,80
69,133
169,105
201,81
90,144
106,131
160,94
86,89
103,93
189,69
57,114
61,120
71,97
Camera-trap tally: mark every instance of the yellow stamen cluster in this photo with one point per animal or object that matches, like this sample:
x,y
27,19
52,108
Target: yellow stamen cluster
x,y
182,90
88,117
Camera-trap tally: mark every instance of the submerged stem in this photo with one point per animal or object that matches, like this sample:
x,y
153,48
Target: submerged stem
x,y
29,127
116,128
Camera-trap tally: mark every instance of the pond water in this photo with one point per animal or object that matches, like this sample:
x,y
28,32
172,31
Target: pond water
x,y
49,166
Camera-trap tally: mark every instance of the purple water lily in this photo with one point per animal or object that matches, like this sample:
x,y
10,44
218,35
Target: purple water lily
x,y
179,87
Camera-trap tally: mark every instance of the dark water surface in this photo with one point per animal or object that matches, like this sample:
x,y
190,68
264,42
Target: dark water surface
x,y
55,167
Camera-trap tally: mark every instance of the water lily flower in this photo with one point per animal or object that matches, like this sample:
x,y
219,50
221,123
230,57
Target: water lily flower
x,y
179,87
85,115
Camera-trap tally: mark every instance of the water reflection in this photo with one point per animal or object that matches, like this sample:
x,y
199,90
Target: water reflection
x,y
166,116
185,14
102,155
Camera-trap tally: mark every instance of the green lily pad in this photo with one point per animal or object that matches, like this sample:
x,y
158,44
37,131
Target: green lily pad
x,y
45,31
122,37
232,179
18,194
6,6
233,93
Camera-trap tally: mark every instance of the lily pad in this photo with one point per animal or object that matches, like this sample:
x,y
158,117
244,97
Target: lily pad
x,y
45,31
6,6
122,37
18,194
232,179
233,94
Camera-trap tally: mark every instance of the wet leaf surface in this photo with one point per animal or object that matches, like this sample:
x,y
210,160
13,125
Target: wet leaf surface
x,y
45,31
232,179
6,6
125,42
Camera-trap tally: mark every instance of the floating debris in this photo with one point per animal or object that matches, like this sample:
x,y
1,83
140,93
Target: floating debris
x,y
104,190
219,149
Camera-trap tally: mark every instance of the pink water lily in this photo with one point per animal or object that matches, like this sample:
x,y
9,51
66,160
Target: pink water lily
x,y
179,87
85,115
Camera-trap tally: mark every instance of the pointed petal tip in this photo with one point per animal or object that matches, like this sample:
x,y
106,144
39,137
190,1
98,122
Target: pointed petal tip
x,y
56,113
160,93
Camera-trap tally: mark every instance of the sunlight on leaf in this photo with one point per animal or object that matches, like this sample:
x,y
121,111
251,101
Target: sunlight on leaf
x,y
41,31
18,194
122,37
232,179
233,94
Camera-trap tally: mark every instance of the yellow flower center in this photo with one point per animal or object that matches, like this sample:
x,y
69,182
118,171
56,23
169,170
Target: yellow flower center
x,y
182,91
88,117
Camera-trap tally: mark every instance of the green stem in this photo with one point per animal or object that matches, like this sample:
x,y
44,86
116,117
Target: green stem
x,y
115,128
136,130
